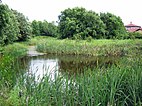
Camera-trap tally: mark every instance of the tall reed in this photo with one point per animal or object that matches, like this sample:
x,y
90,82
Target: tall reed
x,y
112,86
94,48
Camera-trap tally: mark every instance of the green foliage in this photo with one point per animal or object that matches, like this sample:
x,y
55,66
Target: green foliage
x,y
8,25
8,66
24,26
15,50
134,35
85,47
80,22
112,86
44,28
114,26
35,27
6,71
89,39
13,26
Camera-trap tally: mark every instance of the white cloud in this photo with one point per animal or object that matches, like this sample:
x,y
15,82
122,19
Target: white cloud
x,y
128,10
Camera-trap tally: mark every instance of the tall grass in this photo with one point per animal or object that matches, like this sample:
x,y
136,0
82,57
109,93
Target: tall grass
x,y
8,61
113,86
118,85
93,48
15,50
9,69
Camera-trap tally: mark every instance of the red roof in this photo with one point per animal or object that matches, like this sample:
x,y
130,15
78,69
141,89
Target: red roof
x,y
131,25
132,30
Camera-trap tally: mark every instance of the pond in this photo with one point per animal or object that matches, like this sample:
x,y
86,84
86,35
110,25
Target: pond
x,y
53,65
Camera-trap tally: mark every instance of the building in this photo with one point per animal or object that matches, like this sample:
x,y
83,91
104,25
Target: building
x,y
133,28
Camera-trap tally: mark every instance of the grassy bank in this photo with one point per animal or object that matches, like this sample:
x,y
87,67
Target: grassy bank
x,y
15,50
113,86
8,61
116,85
9,68
92,48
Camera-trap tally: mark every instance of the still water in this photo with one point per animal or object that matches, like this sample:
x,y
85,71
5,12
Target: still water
x,y
53,65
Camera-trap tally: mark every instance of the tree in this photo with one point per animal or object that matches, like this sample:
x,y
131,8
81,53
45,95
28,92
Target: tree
x,y
35,27
8,25
24,26
44,28
52,29
80,23
114,26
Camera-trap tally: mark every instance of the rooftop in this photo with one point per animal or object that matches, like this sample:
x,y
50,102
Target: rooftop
x,y
132,25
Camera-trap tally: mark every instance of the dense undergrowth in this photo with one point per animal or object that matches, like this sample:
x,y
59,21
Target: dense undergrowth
x,y
8,68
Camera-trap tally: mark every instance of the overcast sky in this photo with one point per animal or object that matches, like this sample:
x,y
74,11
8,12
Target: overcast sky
x,y
128,10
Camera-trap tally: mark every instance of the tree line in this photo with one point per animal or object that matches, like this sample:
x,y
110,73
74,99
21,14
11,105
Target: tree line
x,y
75,23
14,26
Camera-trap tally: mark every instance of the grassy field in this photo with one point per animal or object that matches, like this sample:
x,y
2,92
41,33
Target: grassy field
x,y
118,85
102,47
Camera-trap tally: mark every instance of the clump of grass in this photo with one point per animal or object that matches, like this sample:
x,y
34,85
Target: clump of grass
x,y
15,50
35,40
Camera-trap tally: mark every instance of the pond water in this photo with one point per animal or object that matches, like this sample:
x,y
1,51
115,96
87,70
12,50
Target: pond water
x,y
53,65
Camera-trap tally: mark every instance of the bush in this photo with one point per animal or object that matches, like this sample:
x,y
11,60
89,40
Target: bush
x,y
15,50
135,35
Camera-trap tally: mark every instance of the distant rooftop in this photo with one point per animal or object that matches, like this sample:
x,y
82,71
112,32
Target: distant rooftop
x,y
132,25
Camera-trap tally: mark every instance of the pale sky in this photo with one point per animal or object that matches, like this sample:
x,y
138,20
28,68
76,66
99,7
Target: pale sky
x,y
128,10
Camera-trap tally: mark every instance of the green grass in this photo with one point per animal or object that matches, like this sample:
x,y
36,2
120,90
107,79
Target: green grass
x,y
94,48
8,68
118,85
14,50
113,86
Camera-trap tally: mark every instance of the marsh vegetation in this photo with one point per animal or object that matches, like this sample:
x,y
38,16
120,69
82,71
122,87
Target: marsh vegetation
x,y
60,78
82,61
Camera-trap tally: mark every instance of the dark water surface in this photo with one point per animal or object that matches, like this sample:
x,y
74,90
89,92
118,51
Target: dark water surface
x,y
52,65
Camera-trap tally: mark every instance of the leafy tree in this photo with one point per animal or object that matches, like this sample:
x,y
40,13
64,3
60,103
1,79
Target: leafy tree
x,y
35,27
24,26
52,29
8,25
44,28
80,23
114,26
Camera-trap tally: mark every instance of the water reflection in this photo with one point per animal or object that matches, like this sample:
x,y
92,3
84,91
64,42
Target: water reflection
x,y
53,65
41,67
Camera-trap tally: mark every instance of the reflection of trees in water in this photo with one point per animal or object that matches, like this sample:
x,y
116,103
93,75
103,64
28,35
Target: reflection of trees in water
x,y
73,64
22,64
80,64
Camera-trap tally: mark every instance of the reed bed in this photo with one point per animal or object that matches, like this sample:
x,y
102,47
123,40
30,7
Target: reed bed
x,y
116,85
94,48
112,86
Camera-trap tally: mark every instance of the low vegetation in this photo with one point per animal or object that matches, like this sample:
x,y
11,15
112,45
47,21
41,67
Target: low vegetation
x,y
119,84
102,47
115,85
15,50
